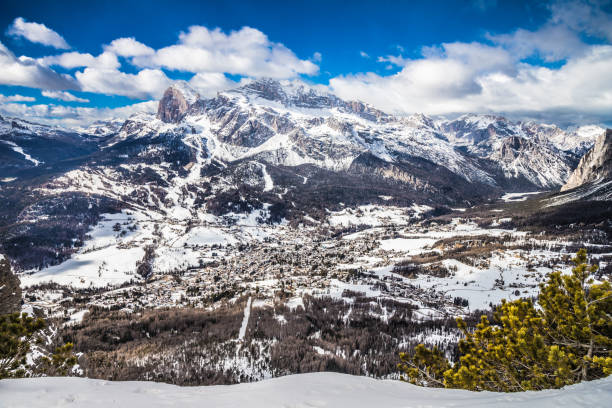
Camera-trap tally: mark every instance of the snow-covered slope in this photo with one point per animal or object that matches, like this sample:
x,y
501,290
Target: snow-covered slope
x,y
575,139
596,165
304,390
291,124
540,154
25,146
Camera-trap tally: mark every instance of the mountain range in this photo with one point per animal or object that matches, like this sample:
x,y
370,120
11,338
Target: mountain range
x,y
281,148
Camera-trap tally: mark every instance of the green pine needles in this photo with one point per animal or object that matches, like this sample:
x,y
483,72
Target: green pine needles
x,y
18,333
565,341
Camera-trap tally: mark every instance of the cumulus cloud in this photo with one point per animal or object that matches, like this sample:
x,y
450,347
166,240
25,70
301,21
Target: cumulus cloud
x,y
208,84
63,96
581,16
497,74
74,115
145,84
37,33
551,43
25,71
16,98
129,47
457,82
448,72
246,52
102,73
106,60
364,54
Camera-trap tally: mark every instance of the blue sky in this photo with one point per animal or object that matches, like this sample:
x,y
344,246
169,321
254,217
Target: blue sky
x,y
71,62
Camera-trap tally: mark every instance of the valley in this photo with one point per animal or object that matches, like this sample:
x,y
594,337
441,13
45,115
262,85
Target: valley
x,y
276,230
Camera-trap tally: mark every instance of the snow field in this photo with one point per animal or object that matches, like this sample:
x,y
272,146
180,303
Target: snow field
x,y
301,390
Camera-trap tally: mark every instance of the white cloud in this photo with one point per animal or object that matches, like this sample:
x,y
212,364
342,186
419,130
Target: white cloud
x,y
478,78
423,85
37,33
317,57
246,52
552,43
208,84
145,84
500,77
74,115
106,60
364,54
396,60
583,16
25,71
16,98
129,47
63,96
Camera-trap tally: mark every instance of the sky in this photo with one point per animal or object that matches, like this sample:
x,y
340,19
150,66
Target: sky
x,y
73,62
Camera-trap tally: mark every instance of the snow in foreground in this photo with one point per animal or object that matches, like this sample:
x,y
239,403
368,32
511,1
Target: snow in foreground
x,y
304,390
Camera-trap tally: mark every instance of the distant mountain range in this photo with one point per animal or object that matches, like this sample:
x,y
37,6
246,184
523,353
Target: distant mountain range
x,y
282,146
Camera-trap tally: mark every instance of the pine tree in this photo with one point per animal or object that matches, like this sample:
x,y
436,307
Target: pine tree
x,y
60,362
578,314
424,367
567,341
17,334
511,355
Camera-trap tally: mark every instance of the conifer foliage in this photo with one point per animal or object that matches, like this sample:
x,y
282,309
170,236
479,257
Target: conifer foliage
x,y
18,333
567,340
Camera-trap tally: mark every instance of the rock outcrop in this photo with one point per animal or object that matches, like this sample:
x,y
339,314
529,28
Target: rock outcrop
x,y
595,165
172,106
10,290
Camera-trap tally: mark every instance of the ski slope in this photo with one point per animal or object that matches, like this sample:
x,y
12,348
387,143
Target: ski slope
x,y
303,390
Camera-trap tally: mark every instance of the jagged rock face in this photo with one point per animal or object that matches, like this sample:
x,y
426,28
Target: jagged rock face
x,y
524,152
172,106
10,290
595,165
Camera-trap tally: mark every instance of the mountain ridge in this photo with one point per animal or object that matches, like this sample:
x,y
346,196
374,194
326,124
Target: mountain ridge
x,y
595,165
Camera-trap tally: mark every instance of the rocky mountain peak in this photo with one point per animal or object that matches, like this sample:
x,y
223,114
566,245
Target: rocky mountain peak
x,y
595,165
175,102
265,88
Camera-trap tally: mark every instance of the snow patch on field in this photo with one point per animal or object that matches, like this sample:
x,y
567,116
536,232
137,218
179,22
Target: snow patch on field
x,y
108,266
510,197
205,236
374,215
411,246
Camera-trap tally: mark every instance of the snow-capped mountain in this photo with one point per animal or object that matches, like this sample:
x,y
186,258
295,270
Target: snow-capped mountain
x,y
596,165
543,155
577,140
290,124
273,151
